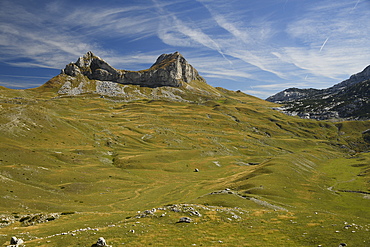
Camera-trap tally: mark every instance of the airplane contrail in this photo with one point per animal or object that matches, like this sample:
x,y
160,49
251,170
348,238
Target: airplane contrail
x,y
356,4
324,44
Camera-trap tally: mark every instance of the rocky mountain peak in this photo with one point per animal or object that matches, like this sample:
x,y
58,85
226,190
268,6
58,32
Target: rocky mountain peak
x,y
162,59
85,60
169,70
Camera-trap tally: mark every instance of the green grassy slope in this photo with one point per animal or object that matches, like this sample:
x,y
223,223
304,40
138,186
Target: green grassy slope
x,y
264,178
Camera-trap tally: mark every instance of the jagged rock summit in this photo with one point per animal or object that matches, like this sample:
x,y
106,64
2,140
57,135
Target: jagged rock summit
x,y
171,77
169,70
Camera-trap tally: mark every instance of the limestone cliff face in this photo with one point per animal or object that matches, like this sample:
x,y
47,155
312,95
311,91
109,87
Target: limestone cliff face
x,y
169,70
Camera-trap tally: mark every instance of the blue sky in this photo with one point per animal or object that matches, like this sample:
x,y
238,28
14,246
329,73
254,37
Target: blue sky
x,y
258,46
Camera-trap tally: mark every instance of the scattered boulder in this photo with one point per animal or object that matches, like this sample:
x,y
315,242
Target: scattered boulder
x,y
14,242
175,208
147,213
195,213
196,170
185,220
101,242
151,212
6,220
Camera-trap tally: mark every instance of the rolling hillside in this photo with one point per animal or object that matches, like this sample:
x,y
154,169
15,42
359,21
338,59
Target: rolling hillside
x,y
76,167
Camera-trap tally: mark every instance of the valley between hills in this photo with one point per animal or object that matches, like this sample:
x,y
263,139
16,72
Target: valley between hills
x,y
127,163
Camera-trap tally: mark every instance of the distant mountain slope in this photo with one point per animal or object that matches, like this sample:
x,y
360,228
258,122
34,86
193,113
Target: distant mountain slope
x,y
346,100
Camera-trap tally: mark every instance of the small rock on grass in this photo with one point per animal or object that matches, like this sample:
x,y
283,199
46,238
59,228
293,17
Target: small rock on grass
x,y
100,243
185,220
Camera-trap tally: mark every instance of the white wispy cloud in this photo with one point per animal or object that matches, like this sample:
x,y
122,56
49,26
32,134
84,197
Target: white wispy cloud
x,y
250,42
47,39
43,45
175,32
258,93
213,67
313,29
280,85
25,84
347,47
136,21
260,43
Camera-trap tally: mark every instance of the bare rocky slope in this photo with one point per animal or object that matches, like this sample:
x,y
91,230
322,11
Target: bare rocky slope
x,y
347,100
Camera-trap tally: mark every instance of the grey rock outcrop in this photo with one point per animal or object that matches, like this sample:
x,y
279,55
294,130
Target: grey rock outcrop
x,y
169,70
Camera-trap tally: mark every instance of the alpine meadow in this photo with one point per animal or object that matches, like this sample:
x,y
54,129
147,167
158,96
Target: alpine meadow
x,y
159,157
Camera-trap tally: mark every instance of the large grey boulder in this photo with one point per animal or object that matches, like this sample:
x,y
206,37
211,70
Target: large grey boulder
x,y
101,242
15,242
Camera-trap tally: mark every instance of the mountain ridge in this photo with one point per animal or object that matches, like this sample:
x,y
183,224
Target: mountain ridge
x,y
345,100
